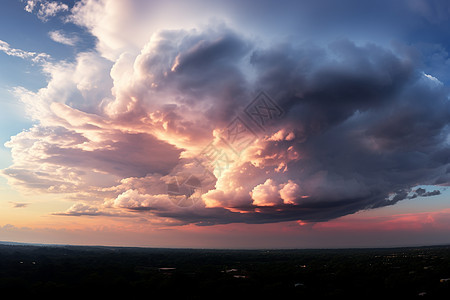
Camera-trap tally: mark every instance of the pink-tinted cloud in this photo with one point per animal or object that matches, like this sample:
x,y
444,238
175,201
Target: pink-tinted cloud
x,y
341,128
266,194
412,222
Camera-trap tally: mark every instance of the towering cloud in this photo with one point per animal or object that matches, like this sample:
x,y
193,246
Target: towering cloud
x,y
341,126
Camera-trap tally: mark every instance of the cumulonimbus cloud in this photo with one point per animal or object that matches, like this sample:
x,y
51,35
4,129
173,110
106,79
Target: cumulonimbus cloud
x,y
359,126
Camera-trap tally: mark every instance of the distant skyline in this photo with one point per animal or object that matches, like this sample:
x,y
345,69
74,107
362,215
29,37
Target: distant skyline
x,y
225,124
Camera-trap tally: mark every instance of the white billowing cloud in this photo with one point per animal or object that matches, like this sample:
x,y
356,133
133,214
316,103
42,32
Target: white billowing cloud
x,y
248,180
290,192
32,168
60,37
266,194
271,194
82,209
86,139
71,131
132,199
111,21
83,85
146,87
45,9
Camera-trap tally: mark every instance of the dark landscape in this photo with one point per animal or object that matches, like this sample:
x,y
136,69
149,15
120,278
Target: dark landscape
x,y
220,274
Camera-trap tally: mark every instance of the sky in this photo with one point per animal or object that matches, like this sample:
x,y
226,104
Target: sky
x,y
225,124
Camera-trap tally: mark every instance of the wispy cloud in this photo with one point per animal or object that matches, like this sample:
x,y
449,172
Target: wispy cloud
x,y
33,56
19,204
60,37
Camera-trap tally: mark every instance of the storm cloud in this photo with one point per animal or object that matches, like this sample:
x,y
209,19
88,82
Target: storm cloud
x,y
359,125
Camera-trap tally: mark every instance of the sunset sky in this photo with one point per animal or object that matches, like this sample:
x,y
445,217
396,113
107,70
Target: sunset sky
x,y
225,124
